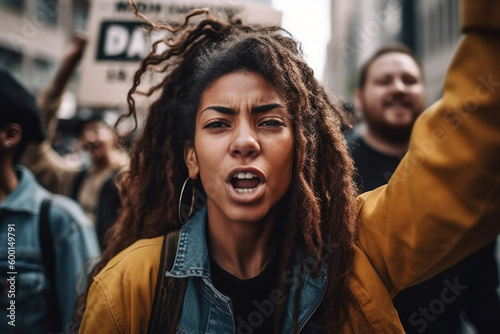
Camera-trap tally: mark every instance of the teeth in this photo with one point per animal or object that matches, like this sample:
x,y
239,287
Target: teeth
x,y
245,190
243,176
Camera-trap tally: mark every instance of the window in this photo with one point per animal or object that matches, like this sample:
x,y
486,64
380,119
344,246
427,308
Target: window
x,y
454,25
11,61
441,25
47,12
80,15
432,31
17,5
43,72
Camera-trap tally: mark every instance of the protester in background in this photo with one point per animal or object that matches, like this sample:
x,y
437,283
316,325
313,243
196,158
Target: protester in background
x,y
390,97
92,186
283,245
40,279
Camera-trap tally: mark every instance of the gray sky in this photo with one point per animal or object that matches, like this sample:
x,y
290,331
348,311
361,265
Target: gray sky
x,y
309,22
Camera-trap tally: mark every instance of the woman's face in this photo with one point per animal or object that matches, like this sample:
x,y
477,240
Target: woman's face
x,y
243,147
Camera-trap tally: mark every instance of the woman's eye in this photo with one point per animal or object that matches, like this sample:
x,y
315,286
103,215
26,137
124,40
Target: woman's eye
x,y
215,125
273,123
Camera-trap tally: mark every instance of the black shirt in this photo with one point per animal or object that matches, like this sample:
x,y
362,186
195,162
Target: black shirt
x,y
253,309
374,169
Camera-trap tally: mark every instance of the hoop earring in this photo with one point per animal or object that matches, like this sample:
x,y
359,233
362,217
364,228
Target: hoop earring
x,y
193,191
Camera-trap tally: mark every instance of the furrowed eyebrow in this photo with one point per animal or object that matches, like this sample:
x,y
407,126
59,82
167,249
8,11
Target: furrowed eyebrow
x,y
255,110
265,108
222,110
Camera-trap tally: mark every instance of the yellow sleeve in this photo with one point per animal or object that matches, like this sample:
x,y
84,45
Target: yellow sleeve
x,y
98,316
121,297
443,201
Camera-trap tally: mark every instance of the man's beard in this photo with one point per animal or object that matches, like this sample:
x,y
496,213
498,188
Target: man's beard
x,y
394,134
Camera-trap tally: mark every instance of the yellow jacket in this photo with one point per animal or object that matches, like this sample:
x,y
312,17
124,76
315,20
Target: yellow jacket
x,y
442,203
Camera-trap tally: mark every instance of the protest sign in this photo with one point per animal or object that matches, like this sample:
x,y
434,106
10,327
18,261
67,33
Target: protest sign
x,y
118,41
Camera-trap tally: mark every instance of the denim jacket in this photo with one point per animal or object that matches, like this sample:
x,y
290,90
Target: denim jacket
x,y
25,288
206,310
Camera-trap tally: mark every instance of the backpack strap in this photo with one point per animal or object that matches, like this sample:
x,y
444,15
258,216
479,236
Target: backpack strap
x,y
169,293
48,259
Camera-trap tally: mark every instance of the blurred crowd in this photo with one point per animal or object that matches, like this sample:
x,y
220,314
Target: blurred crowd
x,y
76,163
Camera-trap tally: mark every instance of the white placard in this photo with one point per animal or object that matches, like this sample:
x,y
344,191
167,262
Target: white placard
x,y
117,42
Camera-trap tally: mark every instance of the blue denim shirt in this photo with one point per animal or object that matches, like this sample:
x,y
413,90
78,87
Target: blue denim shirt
x,y
25,283
206,310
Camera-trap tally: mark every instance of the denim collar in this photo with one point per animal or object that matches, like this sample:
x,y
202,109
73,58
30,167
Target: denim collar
x,y
192,260
192,257
25,198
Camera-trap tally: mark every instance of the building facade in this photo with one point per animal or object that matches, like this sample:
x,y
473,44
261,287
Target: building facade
x,y
359,27
33,35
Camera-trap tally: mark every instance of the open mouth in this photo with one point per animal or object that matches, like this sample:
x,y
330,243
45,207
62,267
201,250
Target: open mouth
x,y
245,183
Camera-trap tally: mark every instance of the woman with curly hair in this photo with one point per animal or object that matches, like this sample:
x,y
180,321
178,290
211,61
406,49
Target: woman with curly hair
x,y
243,134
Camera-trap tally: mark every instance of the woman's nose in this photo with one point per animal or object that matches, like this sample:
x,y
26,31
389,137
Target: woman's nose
x,y
245,141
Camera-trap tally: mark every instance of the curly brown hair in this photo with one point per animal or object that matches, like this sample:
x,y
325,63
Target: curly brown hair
x,y
321,201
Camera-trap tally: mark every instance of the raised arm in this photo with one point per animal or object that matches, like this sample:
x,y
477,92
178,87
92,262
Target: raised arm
x,y
50,99
443,201
51,170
